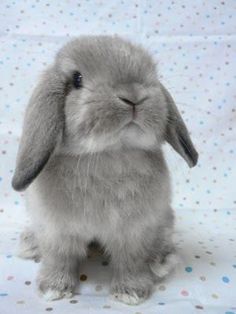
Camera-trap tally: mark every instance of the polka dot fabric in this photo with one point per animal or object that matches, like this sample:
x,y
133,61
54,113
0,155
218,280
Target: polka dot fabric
x,y
194,45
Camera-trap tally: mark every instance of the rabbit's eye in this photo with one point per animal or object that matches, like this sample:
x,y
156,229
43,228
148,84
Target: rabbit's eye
x,y
77,80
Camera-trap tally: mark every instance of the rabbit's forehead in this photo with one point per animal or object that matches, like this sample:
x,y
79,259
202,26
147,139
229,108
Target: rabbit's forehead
x,y
115,60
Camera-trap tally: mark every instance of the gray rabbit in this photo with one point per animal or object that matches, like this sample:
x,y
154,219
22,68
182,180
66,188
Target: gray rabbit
x,y
91,158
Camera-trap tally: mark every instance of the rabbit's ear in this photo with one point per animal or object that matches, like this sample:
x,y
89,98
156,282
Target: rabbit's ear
x,y
176,132
43,124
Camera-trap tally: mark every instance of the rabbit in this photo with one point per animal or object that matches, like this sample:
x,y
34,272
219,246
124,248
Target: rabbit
x,y
91,159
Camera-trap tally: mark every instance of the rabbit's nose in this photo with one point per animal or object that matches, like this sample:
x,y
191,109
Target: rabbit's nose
x,y
127,101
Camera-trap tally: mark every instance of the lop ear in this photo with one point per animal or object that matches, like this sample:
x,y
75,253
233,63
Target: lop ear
x,y
43,123
176,132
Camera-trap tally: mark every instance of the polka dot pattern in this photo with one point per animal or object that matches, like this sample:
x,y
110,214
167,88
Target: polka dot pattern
x,y
194,45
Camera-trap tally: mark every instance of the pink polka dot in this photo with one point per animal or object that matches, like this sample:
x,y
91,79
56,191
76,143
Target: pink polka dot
x,y
10,277
184,293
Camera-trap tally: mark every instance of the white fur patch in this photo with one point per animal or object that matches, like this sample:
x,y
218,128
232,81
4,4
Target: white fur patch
x,y
133,136
162,270
127,298
52,295
28,246
94,144
67,65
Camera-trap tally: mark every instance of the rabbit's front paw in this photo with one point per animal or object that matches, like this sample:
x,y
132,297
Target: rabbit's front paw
x,y
130,294
56,284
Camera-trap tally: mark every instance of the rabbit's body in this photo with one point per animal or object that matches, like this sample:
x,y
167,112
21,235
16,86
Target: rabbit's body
x,y
96,150
113,198
109,197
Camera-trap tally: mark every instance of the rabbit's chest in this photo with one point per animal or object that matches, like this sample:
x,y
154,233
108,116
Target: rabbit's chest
x,y
113,176
116,185
111,193
97,195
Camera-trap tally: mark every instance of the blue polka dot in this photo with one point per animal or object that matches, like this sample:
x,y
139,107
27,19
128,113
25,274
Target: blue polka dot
x,y
225,279
188,269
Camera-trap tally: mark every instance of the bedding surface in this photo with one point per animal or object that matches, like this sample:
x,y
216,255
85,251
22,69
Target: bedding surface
x,y
194,45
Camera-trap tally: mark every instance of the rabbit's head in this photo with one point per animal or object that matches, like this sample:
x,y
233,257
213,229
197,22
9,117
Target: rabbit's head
x,y
102,93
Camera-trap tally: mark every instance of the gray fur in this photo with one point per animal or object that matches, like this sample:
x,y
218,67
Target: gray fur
x,y
97,175
29,245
